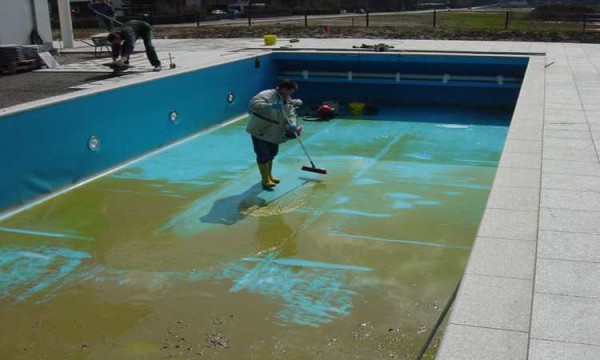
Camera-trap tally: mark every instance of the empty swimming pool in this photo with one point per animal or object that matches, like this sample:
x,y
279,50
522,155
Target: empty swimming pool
x,y
182,254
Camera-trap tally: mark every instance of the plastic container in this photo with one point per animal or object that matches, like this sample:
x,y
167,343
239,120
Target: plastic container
x,y
270,40
356,108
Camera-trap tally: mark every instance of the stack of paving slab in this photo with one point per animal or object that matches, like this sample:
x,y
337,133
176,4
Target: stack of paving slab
x,y
10,54
20,57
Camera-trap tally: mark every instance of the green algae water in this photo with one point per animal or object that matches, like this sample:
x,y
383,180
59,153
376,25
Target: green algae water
x,y
183,255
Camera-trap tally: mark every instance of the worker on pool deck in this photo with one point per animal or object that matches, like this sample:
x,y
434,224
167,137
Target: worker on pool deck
x,y
123,41
271,114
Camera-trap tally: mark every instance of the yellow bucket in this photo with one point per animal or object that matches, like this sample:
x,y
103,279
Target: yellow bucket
x,y
356,108
270,40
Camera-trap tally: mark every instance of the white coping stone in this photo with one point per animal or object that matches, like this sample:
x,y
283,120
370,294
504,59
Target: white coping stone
x,y
493,302
476,343
502,257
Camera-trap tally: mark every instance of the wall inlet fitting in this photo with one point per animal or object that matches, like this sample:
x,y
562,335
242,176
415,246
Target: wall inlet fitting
x,y
94,144
173,116
230,97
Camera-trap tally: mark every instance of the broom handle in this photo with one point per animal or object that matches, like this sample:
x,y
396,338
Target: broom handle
x,y
303,148
108,17
302,144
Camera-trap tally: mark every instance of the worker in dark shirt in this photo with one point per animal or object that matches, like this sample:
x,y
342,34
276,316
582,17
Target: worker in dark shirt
x,y
105,12
123,41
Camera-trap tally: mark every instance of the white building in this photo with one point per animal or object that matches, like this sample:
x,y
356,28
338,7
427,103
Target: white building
x,y
22,21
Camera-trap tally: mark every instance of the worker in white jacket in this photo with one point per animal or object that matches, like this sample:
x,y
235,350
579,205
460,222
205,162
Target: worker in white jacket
x,y
271,114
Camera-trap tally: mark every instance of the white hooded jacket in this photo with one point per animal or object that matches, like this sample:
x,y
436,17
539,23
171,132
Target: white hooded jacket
x,y
267,123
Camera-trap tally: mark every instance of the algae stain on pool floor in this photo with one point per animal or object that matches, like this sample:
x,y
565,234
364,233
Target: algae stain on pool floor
x,y
182,255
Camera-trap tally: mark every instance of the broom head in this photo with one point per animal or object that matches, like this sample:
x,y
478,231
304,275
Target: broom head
x,y
314,169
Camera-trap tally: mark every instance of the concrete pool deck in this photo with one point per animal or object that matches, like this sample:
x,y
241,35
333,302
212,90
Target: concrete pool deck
x,y
531,288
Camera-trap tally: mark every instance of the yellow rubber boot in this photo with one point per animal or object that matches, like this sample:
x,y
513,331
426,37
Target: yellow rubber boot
x,y
271,177
264,174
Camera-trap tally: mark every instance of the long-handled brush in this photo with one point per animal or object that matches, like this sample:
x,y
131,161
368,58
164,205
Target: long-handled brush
x,y
108,18
312,167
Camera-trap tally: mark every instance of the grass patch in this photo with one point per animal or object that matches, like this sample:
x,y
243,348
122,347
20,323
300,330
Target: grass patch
x,y
472,20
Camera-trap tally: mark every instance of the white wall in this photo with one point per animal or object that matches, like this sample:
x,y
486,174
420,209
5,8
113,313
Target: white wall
x,y
16,21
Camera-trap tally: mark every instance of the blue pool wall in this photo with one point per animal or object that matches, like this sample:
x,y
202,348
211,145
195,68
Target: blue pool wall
x,y
46,148
388,91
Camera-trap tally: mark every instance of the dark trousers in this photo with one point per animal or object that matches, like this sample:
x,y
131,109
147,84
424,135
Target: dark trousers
x,y
265,151
150,51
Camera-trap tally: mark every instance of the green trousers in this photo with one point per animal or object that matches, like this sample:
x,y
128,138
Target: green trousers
x,y
150,51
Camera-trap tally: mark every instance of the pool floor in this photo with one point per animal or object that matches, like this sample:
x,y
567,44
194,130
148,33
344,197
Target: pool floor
x,y
183,255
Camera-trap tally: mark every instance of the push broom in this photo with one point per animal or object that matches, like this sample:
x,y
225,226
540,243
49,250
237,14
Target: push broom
x,y
312,167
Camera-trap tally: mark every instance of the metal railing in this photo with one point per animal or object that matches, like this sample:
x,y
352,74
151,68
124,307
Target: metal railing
x,y
488,19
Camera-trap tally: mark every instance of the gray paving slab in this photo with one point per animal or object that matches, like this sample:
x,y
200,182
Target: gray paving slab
x,y
566,101
493,302
569,199
476,343
566,318
509,224
564,277
576,168
519,177
592,115
591,107
552,106
586,91
566,125
527,114
556,153
523,146
567,134
514,198
570,182
559,81
502,257
561,91
520,160
528,109
553,350
574,144
518,132
577,221
588,99
569,246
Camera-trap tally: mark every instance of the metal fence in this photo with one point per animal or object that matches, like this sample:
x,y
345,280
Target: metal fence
x,y
447,18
